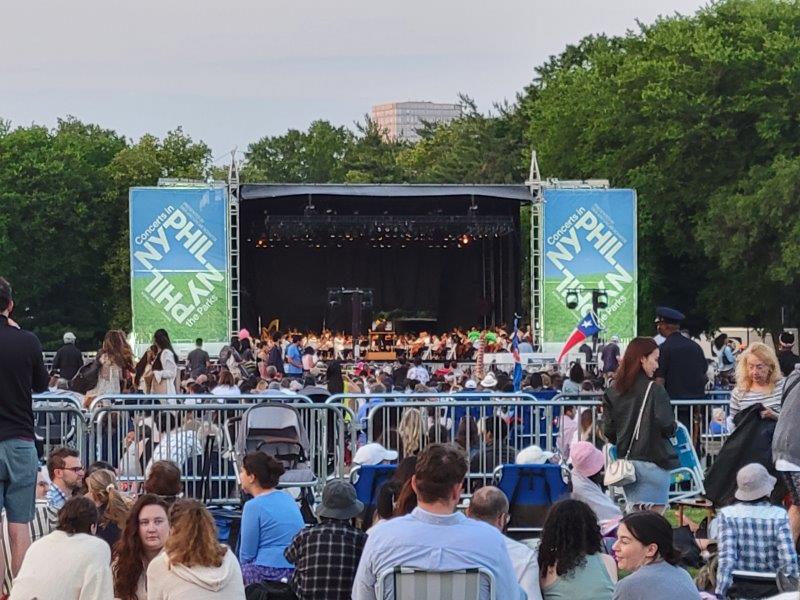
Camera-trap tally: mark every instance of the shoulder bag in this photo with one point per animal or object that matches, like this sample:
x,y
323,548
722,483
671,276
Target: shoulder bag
x,y
621,471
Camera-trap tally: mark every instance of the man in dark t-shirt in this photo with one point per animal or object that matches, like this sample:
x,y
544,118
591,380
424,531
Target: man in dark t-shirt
x,y
21,372
198,360
786,356
682,365
610,355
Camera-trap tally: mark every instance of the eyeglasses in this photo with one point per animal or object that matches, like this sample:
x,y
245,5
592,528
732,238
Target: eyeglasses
x,y
74,469
758,367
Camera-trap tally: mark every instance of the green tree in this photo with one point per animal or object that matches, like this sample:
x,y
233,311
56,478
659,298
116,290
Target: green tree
x,y
677,110
56,226
313,156
372,158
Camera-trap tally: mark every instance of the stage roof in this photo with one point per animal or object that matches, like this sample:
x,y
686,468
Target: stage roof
x,y
256,191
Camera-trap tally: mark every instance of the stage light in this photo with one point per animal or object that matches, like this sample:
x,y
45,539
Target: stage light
x,y
571,300
464,239
599,299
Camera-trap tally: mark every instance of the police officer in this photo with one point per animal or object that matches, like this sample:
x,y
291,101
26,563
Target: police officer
x,y
682,366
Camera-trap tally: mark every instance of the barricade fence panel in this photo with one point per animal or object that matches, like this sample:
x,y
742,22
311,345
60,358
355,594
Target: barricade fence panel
x,y
58,420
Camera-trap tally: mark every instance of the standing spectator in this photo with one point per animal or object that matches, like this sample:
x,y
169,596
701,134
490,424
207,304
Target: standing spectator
x,y
326,555
21,372
435,535
66,475
490,505
198,361
143,538
334,377
571,561
269,521
651,453
418,372
572,385
116,365
726,363
70,563
275,356
294,358
112,507
786,448
681,362
194,564
610,356
753,534
68,359
645,549
165,377
496,449
786,356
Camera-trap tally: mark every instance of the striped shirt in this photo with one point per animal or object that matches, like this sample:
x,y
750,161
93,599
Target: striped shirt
x,y
741,400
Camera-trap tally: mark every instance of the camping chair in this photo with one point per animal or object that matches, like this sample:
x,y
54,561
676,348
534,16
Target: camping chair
x,y
531,490
408,583
753,584
368,479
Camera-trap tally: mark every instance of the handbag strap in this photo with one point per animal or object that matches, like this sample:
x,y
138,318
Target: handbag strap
x,y
639,420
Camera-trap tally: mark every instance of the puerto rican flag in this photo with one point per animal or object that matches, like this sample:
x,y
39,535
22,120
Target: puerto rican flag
x,y
587,327
515,354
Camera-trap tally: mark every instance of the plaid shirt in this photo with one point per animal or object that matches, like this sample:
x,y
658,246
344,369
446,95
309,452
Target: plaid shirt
x,y
754,537
326,559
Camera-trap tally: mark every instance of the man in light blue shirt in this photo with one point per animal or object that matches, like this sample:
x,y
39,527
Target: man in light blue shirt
x,y
294,359
434,536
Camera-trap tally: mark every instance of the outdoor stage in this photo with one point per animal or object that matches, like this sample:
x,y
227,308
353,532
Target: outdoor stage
x,y
450,253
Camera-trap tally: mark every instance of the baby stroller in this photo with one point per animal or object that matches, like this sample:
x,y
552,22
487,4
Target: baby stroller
x,y
275,429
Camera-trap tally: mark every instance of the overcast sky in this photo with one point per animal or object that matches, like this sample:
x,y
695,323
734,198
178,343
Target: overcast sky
x,y
232,72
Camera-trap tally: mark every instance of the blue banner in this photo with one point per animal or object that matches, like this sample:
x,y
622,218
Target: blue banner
x,y
588,242
179,262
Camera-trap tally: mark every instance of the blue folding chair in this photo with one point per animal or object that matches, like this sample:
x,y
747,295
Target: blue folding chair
x,y
368,480
531,490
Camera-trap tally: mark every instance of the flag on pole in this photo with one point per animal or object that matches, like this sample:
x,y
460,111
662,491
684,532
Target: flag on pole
x,y
587,327
517,359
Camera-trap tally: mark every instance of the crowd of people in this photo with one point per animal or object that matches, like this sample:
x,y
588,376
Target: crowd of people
x,y
76,531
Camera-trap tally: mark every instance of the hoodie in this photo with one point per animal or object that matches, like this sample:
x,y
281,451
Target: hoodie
x,y
178,582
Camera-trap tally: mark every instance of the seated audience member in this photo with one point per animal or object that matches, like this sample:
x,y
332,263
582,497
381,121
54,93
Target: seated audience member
x,y
645,549
112,507
719,422
70,563
496,450
571,561
66,475
533,455
467,436
754,535
390,493
326,555
269,520
587,485
181,439
374,454
194,564
226,385
490,505
143,537
164,480
435,535
567,428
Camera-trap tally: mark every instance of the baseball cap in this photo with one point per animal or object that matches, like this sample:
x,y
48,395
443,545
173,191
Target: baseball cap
x,y
373,454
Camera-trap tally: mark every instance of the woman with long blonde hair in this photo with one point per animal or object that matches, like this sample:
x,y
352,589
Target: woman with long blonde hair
x,y
112,506
411,431
194,564
758,381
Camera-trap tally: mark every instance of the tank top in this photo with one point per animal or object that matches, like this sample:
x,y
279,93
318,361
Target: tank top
x,y
589,581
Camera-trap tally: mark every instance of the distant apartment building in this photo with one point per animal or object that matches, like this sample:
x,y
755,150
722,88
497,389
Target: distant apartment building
x,y
401,120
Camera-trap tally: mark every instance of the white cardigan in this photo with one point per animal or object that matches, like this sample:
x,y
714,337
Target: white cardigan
x,y
65,567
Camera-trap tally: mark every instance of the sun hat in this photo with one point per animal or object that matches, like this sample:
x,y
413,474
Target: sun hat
x,y
470,384
586,459
753,481
69,338
489,381
373,454
339,501
243,334
533,455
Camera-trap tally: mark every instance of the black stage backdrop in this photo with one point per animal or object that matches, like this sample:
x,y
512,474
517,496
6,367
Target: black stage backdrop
x,y
466,286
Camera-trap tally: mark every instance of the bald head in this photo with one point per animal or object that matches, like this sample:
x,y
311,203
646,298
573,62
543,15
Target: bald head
x,y
488,504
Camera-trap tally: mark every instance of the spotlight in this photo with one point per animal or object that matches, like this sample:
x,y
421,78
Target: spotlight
x,y
571,300
464,239
599,299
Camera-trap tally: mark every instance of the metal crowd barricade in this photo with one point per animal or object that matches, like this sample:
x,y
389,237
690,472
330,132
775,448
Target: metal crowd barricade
x,y
132,431
58,420
707,421
409,422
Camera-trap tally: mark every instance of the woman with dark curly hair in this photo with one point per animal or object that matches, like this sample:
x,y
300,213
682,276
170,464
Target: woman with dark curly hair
x,y
571,562
143,537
